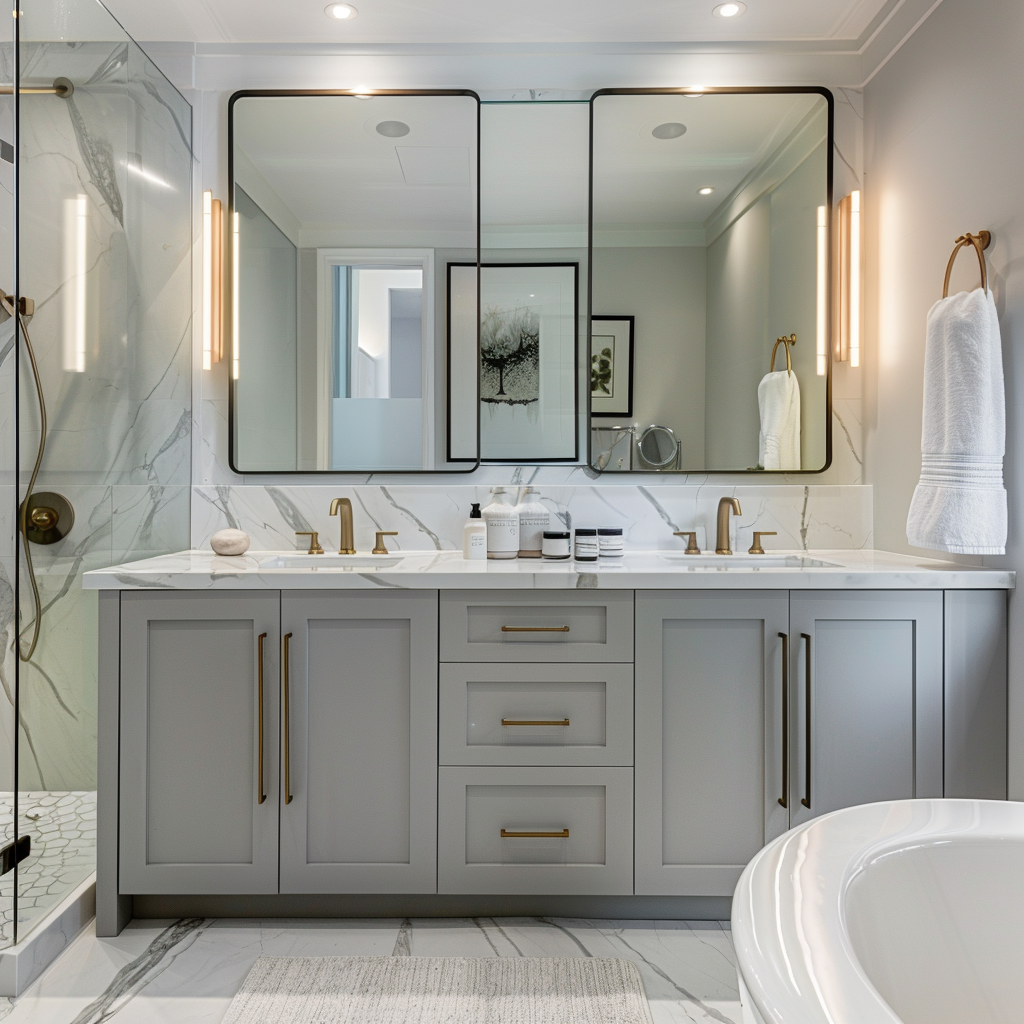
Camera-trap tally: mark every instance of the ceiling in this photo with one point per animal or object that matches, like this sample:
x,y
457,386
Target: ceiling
x,y
487,21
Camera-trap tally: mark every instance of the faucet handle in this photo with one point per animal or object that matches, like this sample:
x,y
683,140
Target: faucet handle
x,y
755,548
379,548
691,544
314,541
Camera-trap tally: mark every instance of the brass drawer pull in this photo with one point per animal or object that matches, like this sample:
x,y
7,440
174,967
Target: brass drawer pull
x,y
287,722
784,799
564,834
538,721
535,629
263,636
808,725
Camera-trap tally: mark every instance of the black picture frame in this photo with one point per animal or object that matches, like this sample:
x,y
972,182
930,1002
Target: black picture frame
x,y
617,363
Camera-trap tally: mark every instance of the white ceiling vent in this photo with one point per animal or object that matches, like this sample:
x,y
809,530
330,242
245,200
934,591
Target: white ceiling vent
x,y
434,165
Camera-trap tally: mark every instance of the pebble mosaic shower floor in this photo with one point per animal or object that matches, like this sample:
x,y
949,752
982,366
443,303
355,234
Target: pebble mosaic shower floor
x,y
62,825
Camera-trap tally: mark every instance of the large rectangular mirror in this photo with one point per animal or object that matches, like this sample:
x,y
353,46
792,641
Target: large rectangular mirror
x,y
345,212
709,245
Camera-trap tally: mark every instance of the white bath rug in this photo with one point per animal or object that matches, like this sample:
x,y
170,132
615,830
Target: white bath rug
x,y
440,990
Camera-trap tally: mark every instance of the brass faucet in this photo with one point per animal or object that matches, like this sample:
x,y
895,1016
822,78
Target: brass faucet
x,y
725,506
343,505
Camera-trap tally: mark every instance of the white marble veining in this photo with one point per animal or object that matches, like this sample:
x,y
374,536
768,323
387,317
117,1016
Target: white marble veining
x,y
638,570
170,972
429,516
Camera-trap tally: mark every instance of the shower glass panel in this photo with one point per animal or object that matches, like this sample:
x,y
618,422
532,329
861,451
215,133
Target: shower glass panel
x,y
8,466
104,250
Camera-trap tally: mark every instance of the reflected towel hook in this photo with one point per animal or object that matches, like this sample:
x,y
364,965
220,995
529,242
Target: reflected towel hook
x,y
791,340
980,241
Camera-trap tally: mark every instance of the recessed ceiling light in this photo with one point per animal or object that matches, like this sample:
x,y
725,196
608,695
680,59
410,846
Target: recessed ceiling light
x,y
669,130
706,190
341,12
392,129
730,10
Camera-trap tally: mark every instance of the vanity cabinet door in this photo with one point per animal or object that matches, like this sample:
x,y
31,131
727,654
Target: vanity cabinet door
x,y
191,816
871,663
709,764
359,776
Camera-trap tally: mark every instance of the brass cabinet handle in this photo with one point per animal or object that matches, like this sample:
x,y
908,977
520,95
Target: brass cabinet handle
x,y
535,629
538,721
259,688
784,799
287,723
806,800
564,834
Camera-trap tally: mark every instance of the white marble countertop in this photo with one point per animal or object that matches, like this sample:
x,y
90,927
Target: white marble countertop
x,y
638,570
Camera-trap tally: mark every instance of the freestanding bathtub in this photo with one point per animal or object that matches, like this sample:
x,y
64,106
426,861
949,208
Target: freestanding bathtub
x,y
907,911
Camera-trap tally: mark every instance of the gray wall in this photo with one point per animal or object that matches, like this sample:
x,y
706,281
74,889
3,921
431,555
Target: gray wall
x,y
738,288
762,284
944,154
664,288
268,274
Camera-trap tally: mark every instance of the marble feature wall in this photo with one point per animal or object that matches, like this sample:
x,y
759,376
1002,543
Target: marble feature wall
x,y
431,518
113,161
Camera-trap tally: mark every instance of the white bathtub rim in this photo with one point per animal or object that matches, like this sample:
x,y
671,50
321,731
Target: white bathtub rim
x,y
804,970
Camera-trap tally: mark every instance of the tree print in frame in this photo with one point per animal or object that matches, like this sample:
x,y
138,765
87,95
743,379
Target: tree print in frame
x,y
529,351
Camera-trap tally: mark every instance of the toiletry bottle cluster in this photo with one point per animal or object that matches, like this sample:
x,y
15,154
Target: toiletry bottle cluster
x,y
503,530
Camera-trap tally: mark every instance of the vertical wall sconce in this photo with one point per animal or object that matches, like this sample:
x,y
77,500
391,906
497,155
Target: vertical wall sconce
x,y
848,335
76,249
822,297
213,280
234,299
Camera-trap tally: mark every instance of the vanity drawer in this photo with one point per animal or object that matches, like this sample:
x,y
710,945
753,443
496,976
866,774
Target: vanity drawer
x,y
587,811
492,714
537,626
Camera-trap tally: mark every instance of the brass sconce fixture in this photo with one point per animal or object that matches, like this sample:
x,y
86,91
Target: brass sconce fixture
x,y
213,280
850,277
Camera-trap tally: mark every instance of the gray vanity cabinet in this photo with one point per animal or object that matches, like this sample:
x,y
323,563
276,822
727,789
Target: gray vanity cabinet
x,y
359,776
871,664
709,682
199,761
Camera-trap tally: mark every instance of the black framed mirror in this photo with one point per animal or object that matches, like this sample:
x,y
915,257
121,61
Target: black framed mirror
x,y
710,242
344,211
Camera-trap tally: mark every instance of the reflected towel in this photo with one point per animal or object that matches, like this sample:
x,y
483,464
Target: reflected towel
x,y
960,503
778,398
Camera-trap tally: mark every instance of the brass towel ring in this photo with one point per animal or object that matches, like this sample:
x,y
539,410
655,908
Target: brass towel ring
x,y
980,241
791,340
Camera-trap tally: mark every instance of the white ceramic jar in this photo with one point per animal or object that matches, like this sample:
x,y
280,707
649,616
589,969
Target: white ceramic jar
x,y
534,519
502,526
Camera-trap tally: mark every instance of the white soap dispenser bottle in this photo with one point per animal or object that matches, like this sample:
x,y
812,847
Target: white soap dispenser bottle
x,y
534,519
502,526
474,536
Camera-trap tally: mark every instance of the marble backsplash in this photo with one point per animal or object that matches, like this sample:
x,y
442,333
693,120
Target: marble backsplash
x,y
430,517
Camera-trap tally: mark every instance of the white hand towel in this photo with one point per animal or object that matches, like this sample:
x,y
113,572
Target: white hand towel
x,y
960,502
778,398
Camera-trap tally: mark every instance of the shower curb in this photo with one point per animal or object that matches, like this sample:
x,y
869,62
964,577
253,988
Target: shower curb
x,y
22,964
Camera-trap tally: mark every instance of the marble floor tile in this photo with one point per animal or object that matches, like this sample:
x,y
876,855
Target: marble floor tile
x,y
170,972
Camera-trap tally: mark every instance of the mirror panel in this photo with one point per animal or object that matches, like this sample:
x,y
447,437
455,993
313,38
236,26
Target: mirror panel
x,y
345,211
534,169
710,242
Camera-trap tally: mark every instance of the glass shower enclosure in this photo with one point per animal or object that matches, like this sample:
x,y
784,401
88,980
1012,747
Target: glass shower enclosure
x,y
95,402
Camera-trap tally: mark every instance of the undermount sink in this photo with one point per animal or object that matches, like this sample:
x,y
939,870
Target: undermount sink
x,y
332,561
747,561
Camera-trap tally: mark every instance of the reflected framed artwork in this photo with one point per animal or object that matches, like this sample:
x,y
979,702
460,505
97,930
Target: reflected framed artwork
x,y
529,350
611,366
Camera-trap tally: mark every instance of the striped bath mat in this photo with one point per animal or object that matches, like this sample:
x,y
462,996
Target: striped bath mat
x,y
440,990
